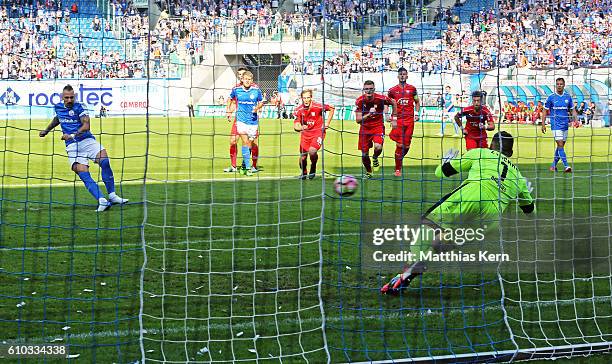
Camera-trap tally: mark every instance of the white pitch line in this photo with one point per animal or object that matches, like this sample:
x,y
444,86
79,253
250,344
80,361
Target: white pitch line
x,y
334,319
238,178
154,243
261,176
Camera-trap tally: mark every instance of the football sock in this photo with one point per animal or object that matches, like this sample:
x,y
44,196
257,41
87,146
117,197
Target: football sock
x,y
400,153
313,162
563,156
254,154
246,157
107,175
556,159
365,159
303,162
91,185
233,154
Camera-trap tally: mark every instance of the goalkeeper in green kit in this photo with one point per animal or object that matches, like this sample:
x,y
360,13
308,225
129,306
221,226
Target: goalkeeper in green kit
x,y
492,182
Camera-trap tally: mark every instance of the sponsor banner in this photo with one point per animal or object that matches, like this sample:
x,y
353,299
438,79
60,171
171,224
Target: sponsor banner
x,y
428,114
35,99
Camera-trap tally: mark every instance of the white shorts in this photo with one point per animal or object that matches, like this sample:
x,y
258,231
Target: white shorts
x,y
560,134
247,129
81,152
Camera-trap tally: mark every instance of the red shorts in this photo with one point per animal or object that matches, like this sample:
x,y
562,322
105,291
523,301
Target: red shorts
x,y
402,134
369,136
234,131
475,143
311,141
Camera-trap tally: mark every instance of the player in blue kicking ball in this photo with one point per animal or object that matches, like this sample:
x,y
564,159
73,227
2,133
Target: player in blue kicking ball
x,y
81,146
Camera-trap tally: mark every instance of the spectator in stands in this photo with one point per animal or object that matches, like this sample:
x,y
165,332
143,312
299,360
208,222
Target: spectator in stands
x,y
508,112
96,24
590,112
74,8
277,101
581,112
536,116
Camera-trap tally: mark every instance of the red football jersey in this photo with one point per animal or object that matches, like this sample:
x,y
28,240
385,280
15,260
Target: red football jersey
x,y
404,96
474,119
374,106
311,117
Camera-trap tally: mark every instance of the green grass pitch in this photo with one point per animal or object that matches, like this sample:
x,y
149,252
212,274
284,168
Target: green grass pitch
x,y
233,261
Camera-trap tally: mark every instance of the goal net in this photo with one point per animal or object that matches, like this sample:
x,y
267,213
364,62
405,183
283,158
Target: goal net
x,y
228,252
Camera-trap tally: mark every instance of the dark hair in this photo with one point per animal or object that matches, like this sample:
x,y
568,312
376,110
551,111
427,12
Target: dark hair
x,y
478,94
68,88
368,82
560,79
504,142
242,68
402,69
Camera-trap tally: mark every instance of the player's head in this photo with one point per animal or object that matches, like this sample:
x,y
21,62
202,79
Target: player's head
x,y
369,88
240,72
306,97
560,85
448,89
68,96
503,142
247,79
477,99
402,74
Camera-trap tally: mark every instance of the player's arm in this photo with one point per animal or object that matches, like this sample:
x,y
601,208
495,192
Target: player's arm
x,y
85,126
55,122
547,106
258,107
543,116
393,104
417,107
330,109
451,166
297,123
490,122
359,116
457,118
231,105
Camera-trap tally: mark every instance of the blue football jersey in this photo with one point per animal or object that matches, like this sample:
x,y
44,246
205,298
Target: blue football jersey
x,y
448,100
560,109
246,100
70,120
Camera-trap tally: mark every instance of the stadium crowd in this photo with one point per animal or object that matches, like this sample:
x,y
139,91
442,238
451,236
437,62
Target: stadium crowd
x,y
530,113
529,34
33,45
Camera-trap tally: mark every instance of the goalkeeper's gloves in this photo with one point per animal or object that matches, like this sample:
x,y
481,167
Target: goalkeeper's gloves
x,y
449,155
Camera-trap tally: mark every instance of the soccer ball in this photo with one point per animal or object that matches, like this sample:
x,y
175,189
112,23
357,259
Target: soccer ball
x,y
345,185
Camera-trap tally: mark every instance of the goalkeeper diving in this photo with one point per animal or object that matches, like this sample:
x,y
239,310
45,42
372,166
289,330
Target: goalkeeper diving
x,y
491,182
